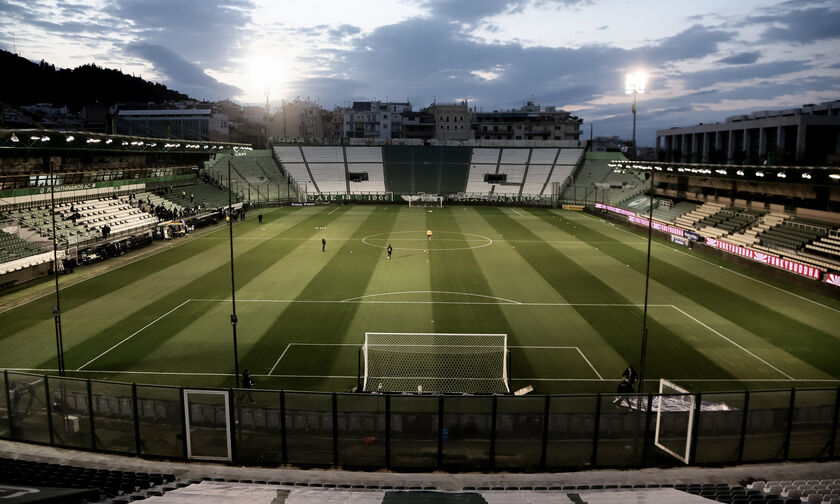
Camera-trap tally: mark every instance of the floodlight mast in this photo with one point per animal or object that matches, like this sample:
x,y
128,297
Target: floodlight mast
x,y
634,84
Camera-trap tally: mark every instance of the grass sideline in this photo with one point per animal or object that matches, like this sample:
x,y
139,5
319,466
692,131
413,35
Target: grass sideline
x,y
566,287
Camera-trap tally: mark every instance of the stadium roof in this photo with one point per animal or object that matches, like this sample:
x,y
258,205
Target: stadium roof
x,y
811,175
44,139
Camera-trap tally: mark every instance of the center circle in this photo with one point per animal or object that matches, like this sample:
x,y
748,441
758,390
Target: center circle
x,y
417,240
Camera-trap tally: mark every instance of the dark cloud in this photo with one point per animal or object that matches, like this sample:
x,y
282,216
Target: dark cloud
x,y
470,11
804,26
182,75
744,58
717,76
692,43
208,32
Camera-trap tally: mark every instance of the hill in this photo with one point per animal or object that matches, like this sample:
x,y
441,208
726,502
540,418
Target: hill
x,y
28,82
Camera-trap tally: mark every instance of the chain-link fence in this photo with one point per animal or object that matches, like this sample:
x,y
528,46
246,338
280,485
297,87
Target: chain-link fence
x,y
420,432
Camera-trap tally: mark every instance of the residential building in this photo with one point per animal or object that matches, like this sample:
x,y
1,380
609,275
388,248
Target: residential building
x,y
530,122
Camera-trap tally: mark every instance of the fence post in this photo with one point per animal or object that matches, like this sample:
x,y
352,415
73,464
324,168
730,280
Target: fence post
x,y
596,431
544,450
283,427
335,428
388,430
90,416
10,409
136,419
440,432
695,428
48,404
234,456
493,433
746,411
646,438
789,426
183,425
831,450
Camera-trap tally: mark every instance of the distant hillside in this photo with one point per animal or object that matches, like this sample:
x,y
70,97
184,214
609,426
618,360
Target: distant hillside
x,y
26,82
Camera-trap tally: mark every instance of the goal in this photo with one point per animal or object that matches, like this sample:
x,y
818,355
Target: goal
x,y
425,200
675,409
674,420
435,362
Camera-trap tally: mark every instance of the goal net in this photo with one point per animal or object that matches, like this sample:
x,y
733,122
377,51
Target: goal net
x,y
435,362
425,200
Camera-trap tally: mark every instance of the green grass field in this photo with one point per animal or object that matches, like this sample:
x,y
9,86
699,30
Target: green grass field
x,y
567,288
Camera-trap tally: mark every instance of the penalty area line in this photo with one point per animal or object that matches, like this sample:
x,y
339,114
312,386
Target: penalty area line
x,y
789,377
135,333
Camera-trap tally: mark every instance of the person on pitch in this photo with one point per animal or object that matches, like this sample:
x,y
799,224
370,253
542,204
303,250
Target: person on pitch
x,y
389,249
323,244
630,375
429,234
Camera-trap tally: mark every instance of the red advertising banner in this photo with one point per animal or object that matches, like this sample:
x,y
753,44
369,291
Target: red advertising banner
x,y
617,210
658,226
777,262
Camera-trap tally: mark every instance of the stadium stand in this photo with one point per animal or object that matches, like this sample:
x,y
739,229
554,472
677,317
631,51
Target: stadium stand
x,y
367,160
118,486
528,172
596,180
255,168
725,222
12,247
206,195
689,219
795,491
670,214
117,213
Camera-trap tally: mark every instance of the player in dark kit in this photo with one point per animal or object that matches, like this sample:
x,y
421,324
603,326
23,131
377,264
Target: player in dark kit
x,y
390,249
323,244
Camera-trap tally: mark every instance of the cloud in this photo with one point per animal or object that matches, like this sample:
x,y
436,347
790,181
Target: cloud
x,y
804,26
209,32
713,77
743,58
182,75
343,31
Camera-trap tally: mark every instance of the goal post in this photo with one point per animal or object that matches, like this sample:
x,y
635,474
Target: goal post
x,y
674,420
425,200
435,362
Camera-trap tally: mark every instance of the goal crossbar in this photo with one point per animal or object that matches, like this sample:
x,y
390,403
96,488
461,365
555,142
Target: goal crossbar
x,y
435,362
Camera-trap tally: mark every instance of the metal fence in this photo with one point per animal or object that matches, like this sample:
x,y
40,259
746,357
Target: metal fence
x,y
416,432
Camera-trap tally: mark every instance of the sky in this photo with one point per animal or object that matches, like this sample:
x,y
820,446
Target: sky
x,y
704,61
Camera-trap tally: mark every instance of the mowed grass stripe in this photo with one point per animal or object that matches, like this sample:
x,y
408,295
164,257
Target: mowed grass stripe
x,y
75,296
807,343
345,276
458,271
764,287
214,283
619,326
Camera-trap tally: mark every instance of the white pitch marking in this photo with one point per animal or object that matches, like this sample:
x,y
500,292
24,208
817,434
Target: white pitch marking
x,y
590,364
510,301
729,270
517,212
333,210
278,359
132,335
736,344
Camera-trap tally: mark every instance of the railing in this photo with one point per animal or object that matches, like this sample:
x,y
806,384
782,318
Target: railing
x,y
425,432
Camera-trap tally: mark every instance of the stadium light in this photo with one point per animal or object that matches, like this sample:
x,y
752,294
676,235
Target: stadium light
x,y
14,138
70,138
109,141
634,84
759,174
834,176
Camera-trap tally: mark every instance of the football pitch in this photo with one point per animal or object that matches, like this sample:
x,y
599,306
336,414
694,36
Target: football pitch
x,y
566,287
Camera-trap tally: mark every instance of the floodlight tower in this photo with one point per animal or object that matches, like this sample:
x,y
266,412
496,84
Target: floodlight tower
x,y
634,84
